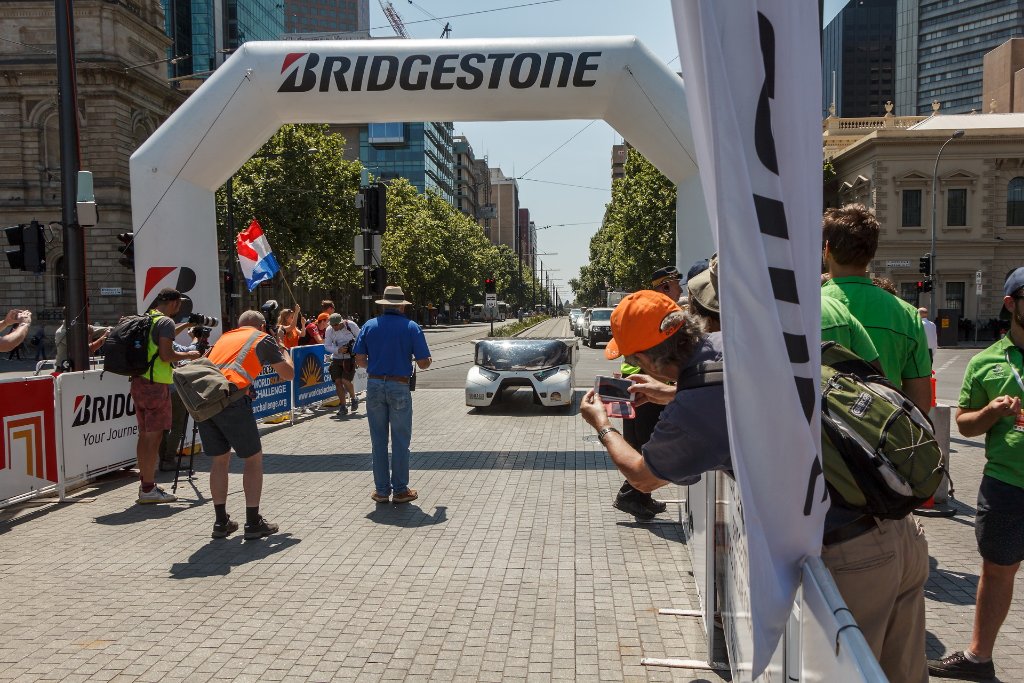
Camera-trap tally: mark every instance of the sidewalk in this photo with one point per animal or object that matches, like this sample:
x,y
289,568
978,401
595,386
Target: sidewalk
x,y
512,564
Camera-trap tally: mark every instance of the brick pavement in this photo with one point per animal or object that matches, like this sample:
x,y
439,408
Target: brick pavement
x,y
512,565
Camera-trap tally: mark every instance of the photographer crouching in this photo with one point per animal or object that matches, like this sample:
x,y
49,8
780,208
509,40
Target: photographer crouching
x,y
240,355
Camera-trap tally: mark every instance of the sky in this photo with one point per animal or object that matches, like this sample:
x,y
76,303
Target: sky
x,y
515,146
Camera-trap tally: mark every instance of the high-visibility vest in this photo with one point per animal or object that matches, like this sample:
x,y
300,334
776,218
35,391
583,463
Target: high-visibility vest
x,y
234,354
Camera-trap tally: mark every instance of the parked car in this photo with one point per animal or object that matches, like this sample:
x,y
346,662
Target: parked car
x,y
574,315
597,326
543,365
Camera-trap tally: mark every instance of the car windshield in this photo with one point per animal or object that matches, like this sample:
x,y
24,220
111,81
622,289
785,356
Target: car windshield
x,y
521,354
575,312
604,314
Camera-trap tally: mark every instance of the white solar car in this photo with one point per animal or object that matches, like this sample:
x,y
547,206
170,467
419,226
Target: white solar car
x,y
543,365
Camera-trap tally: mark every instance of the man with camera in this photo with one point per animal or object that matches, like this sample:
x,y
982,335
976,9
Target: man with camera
x,y
339,338
240,355
151,392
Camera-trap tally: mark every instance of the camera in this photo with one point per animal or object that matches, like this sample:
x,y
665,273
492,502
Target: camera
x,y
202,336
205,320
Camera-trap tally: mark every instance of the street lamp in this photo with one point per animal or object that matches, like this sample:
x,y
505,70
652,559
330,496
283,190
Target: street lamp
x,y
935,201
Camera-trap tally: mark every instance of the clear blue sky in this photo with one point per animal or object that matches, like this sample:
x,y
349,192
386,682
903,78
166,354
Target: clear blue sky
x,y
517,146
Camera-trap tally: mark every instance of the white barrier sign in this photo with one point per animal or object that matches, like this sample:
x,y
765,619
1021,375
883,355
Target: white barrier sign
x,y
97,423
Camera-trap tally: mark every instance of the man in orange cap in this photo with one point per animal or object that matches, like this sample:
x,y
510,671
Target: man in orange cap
x,y
691,437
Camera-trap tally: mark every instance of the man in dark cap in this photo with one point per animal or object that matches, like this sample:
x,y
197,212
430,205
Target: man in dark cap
x,y
666,280
990,404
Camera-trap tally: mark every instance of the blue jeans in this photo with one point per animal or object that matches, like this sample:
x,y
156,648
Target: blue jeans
x,y
389,405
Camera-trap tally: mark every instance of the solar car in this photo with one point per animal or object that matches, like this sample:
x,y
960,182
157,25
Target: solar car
x,y
545,366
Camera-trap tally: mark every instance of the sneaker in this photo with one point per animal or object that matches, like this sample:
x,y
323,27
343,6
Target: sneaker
x,y
632,504
355,404
407,497
224,530
379,498
157,495
342,411
958,666
263,528
655,506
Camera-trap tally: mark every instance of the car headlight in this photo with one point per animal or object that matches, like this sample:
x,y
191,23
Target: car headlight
x,y
490,375
544,374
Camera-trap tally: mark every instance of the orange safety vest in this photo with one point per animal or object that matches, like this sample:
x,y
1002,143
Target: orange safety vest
x,y
233,354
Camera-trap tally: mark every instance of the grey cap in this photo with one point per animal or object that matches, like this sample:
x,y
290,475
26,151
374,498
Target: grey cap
x,y
1014,282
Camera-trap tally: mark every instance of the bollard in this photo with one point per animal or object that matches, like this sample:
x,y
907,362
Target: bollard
x,y
938,505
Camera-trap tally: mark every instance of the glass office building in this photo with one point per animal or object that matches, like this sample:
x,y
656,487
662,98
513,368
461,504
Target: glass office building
x,y
423,153
326,16
193,28
940,49
859,59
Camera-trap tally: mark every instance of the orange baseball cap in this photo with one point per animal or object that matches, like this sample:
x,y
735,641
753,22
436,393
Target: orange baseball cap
x,y
323,316
636,323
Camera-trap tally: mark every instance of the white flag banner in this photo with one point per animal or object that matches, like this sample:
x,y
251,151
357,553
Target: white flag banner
x,y
752,74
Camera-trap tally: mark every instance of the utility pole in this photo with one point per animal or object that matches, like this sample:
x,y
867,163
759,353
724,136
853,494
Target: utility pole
x,y
76,313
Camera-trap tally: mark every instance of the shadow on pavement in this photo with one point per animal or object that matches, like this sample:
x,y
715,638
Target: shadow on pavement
x,y
217,557
141,513
939,579
518,402
408,516
441,460
663,527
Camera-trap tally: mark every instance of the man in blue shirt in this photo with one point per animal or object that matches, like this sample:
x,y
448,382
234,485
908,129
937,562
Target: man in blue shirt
x,y
385,347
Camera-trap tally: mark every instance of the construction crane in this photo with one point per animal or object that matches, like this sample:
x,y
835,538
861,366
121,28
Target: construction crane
x,y
394,18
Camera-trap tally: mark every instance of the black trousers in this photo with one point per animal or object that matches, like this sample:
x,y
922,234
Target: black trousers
x,y
637,431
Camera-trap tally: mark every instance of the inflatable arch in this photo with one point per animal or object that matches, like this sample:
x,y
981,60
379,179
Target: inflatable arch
x,y
264,85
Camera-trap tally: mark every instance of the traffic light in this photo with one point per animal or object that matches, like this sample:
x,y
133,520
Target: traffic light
x,y
229,283
29,253
925,264
128,250
489,285
927,287
375,199
920,286
378,280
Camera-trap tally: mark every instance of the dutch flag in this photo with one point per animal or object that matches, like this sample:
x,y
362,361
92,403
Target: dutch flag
x,y
254,256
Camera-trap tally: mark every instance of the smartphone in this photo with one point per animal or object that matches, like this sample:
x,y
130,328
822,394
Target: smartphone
x,y
613,389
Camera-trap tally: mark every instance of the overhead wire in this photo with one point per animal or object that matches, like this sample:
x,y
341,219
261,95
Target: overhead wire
x,y
555,182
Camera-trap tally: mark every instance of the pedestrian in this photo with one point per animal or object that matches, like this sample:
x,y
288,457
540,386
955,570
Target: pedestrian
x,y
327,306
666,280
171,441
385,346
990,403
97,336
39,343
18,321
291,329
339,338
879,565
702,294
314,330
930,333
151,393
241,355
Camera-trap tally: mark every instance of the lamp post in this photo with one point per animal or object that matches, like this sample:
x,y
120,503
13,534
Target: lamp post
x,y
935,202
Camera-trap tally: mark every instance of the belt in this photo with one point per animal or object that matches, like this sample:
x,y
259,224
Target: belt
x,y
390,378
856,528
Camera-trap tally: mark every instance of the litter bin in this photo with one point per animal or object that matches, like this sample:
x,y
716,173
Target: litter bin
x,y
948,326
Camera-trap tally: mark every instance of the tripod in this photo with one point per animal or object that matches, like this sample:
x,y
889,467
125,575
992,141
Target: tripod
x,y
191,453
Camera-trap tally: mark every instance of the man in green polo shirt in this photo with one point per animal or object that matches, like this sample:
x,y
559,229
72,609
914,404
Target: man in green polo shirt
x,y
990,404
850,238
839,325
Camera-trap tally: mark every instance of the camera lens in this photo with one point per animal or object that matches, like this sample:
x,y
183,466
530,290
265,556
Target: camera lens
x,y
197,319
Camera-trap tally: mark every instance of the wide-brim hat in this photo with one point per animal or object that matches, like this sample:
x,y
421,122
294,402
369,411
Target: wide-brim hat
x,y
393,296
703,287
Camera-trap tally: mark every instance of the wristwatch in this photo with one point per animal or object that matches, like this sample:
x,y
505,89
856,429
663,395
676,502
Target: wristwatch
x,y
604,432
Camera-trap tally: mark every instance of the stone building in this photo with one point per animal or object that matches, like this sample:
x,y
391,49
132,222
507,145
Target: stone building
x,y
120,103
887,164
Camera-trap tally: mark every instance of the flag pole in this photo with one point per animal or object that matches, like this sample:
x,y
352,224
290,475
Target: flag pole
x,y
288,286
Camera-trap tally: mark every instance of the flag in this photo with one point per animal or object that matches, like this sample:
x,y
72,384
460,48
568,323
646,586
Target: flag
x,y
752,73
254,256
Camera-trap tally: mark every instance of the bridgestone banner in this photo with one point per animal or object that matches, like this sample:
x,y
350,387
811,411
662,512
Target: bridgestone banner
x,y
751,69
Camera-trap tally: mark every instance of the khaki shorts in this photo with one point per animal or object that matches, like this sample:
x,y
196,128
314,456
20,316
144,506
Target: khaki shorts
x,y
152,404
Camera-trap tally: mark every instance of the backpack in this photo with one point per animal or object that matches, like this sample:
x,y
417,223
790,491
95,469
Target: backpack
x,y
878,449
203,389
126,350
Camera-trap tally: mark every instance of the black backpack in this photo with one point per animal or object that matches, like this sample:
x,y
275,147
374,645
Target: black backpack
x,y
878,449
126,350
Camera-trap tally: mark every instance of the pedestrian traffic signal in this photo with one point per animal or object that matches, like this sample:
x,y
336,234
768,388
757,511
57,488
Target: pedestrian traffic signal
x,y
29,252
927,286
229,283
378,280
375,201
925,264
128,250
489,285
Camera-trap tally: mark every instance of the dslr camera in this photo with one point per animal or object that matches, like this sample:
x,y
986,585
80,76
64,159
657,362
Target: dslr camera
x,y
202,337
204,320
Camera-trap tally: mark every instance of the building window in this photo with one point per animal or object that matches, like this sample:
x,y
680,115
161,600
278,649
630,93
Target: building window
x,y
911,208
955,296
386,133
908,292
1015,202
956,207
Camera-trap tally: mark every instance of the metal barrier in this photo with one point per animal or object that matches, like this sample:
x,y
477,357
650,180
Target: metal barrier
x,y
29,463
95,363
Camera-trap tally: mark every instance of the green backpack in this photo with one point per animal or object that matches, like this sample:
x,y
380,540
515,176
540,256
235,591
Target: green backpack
x,y
879,450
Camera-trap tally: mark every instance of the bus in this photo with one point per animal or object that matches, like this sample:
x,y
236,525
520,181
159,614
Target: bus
x,y
480,313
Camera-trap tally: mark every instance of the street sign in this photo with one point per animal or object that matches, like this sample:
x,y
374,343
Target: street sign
x,y
359,252
899,263
977,289
491,300
977,278
110,291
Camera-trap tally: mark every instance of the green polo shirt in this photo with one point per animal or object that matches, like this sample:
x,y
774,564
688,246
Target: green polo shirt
x,y
989,376
893,325
839,325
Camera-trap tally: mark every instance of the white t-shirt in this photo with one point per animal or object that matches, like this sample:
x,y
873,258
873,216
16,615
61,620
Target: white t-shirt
x,y
336,340
931,334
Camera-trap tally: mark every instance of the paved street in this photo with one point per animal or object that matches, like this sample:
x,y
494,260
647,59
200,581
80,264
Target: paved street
x,y
511,565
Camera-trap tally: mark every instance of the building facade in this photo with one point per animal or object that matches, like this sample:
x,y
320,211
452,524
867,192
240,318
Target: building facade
x,y
979,217
1003,85
119,107
204,32
423,153
326,16
940,49
472,183
619,155
859,58
504,227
